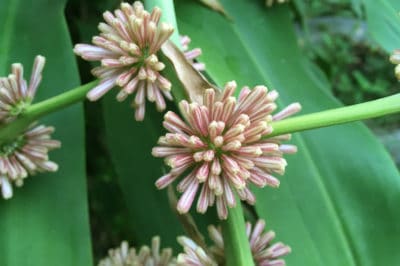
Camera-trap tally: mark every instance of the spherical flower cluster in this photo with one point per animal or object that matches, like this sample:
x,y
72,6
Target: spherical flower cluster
x,y
264,253
125,256
15,93
395,59
220,147
26,154
191,55
127,49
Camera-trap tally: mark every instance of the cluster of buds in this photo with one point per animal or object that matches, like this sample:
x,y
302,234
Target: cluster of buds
x,y
127,49
126,256
25,154
271,2
222,146
395,59
264,253
15,94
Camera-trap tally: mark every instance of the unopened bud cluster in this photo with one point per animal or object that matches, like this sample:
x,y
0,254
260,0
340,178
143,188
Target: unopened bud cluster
x,y
218,147
146,256
26,153
127,49
264,252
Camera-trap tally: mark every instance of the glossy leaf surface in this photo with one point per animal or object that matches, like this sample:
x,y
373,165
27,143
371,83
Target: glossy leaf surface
x,y
46,222
337,203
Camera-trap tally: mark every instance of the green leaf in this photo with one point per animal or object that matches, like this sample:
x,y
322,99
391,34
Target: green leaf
x,y
46,222
130,145
338,202
383,22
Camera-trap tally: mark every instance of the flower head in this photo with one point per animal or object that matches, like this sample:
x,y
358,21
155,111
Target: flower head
x,y
127,49
26,155
15,93
125,256
218,147
264,253
395,59
191,55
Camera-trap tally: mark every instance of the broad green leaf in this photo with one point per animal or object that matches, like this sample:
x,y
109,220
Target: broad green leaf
x,y
383,20
46,222
130,143
338,202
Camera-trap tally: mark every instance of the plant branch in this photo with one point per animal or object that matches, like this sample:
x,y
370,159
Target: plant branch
x,y
36,111
384,106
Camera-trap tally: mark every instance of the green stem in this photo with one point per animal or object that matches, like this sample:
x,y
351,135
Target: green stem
x,y
36,111
384,106
236,243
168,15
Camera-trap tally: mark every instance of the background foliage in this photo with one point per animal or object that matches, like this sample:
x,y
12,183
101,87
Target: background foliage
x,y
337,203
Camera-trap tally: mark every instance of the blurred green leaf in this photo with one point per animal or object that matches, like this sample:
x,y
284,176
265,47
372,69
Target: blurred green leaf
x,y
383,21
46,222
338,202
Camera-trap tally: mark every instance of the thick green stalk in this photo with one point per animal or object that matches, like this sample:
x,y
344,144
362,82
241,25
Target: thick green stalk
x,y
36,111
384,106
236,243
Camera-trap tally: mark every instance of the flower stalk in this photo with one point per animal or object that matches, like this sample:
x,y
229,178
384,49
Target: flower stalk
x,y
237,248
38,110
372,109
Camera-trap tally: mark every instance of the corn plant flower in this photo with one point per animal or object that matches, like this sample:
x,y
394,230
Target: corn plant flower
x,y
264,253
15,93
127,49
218,147
27,153
146,256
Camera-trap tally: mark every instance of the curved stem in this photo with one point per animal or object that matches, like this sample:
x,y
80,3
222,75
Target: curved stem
x,y
384,106
36,111
236,244
60,101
